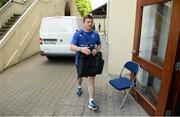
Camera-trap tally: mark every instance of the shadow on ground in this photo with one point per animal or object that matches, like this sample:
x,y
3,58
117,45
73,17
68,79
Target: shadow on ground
x,y
60,60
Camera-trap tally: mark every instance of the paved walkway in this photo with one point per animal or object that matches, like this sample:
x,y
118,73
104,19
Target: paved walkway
x,y
38,87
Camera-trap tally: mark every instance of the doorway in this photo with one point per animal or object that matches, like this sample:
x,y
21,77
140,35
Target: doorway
x,y
155,47
173,107
67,11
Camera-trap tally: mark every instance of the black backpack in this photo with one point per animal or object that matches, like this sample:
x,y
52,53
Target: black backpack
x,y
89,65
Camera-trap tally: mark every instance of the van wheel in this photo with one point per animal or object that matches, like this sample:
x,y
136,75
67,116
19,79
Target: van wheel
x,y
49,57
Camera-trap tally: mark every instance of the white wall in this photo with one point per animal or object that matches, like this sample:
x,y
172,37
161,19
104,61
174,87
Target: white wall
x,y
121,24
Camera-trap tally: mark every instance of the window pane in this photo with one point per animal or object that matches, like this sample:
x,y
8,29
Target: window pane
x,y
149,86
154,32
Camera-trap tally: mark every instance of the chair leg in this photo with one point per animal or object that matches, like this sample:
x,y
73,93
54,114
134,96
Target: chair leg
x,y
124,99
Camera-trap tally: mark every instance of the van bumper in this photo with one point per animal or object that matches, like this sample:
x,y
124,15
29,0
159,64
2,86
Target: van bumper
x,y
56,51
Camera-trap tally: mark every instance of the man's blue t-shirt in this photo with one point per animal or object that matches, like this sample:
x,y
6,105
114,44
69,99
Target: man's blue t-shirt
x,y
85,39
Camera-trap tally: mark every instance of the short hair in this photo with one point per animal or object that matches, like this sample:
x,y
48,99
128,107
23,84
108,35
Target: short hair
x,y
87,17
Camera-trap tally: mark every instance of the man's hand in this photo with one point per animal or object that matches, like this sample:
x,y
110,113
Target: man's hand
x,y
94,52
85,50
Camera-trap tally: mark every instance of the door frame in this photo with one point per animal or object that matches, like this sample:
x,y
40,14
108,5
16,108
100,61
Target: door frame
x,y
174,93
164,73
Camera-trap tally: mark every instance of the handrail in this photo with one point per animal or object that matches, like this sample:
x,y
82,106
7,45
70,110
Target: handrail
x,y
27,7
44,1
23,2
2,9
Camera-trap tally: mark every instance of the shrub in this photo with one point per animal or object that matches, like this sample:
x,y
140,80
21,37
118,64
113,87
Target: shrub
x,y
3,2
84,6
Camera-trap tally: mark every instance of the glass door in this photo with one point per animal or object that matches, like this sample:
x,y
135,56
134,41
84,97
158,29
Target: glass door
x,y
152,50
154,32
153,45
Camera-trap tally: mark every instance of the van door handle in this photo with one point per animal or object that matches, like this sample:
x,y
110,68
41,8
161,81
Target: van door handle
x,y
61,40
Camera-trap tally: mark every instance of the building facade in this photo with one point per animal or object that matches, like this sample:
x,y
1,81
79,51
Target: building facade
x,y
148,32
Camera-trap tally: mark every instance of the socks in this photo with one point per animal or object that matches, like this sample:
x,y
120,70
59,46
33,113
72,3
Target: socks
x,y
90,99
79,86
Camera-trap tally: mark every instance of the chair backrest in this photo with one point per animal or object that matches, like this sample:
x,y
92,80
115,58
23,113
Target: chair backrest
x,y
132,66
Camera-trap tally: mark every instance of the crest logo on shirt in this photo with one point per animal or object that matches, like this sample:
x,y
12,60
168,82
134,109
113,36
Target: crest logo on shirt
x,y
92,36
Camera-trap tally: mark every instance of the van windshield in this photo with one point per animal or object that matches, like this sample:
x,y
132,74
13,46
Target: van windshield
x,y
49,26
67,25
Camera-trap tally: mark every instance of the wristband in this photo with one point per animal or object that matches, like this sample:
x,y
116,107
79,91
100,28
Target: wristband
x,y
80,49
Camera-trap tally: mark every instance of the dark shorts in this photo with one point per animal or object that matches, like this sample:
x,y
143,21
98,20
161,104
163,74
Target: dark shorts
x,y
84,76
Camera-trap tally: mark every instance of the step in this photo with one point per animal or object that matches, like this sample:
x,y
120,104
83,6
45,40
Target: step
x,y
11,20
9,23
2,33
3,29
6,26
16,15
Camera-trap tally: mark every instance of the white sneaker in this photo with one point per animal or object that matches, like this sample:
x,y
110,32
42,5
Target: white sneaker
x,y
92,105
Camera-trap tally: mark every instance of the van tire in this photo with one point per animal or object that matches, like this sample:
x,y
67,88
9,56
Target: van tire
x,y
49,57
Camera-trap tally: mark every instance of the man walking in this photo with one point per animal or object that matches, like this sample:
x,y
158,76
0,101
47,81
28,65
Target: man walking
x,y
80,43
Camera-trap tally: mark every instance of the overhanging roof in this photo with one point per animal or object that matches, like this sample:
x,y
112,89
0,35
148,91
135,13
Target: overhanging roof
x,y
100,11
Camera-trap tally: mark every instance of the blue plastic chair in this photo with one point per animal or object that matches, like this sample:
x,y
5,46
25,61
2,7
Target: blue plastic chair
x,y
123,83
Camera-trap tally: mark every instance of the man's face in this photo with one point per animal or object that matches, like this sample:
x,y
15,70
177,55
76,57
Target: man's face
x,y
88,24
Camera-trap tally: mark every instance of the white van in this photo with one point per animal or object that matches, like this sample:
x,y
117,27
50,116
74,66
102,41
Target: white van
x,y
56,34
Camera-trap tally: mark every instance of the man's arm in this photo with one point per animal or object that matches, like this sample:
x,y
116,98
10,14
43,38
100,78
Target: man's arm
x,y
94,51
84,50
98,47
74,48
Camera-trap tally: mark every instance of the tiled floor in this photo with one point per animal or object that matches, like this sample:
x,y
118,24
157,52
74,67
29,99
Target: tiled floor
x,y
41,87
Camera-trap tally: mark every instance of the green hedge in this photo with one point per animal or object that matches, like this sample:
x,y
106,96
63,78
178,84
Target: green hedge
x,y
3,2
84,6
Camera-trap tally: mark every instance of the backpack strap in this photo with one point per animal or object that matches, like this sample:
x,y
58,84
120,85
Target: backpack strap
x,y
81,32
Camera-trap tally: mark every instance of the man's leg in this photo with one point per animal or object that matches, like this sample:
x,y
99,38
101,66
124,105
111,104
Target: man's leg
x,y
91,82
79,90
79,81
91,86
